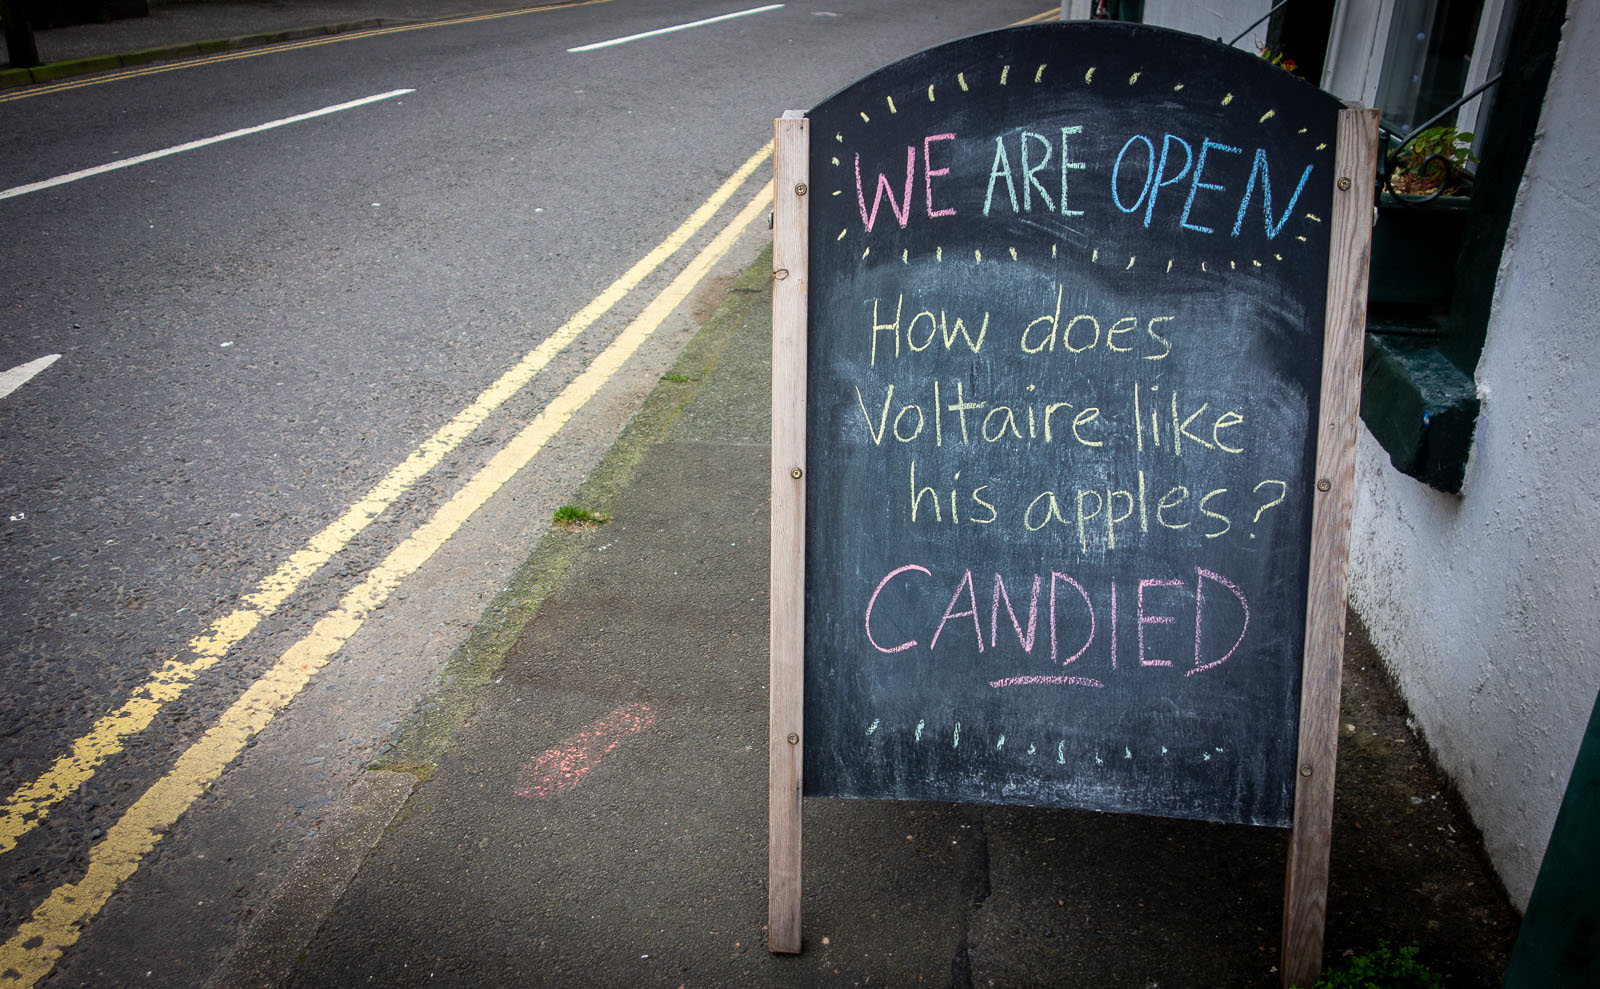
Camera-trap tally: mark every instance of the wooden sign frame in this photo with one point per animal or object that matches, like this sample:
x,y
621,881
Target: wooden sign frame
x,y
790,260
1305,897
1305,902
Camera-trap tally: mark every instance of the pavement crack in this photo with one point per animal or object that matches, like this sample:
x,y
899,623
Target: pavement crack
x,y
980,891
961,964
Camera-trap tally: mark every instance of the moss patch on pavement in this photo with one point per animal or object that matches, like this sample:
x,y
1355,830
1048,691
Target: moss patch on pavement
x,y
427,732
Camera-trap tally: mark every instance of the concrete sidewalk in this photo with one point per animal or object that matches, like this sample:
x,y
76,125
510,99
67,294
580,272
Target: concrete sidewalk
x,y
179,29
596,813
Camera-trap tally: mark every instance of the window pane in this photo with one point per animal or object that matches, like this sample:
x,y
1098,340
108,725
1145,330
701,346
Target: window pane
x,y
1426,60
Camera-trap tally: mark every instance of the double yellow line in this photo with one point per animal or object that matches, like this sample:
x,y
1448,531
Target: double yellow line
x,y
1053,14
58,922
150,70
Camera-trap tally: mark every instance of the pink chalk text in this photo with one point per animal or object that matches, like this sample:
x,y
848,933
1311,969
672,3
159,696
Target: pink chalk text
x,y
1161,621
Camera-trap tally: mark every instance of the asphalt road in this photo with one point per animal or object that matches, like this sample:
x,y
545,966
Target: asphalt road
x,y
255,333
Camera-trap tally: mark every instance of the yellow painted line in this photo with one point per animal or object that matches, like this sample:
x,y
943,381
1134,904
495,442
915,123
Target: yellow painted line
x,y
32,802
1053,14
150,70
59,921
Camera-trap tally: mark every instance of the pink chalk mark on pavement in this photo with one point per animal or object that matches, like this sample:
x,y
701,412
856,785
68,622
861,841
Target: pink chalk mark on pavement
x,y
567,764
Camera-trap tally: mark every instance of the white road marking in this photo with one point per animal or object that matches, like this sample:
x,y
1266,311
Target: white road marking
x,y
18,376
23,190
680,27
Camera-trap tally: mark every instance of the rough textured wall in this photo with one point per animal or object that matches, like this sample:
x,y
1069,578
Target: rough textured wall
x,y
1487,607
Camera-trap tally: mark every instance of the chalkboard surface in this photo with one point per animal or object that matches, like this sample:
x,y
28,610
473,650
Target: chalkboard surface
x,y
1067,288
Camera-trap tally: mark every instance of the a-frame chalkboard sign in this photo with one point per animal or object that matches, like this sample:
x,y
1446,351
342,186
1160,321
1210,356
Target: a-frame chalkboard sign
x,y
1067,347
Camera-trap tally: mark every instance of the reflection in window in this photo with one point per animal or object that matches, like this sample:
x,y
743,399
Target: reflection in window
x,y
1427,59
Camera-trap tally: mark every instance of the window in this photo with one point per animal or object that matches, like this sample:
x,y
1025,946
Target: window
x,y
1426,59
1434,262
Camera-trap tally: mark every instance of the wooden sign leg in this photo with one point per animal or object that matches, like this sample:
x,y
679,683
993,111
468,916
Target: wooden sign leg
x,y
1305,904
786,697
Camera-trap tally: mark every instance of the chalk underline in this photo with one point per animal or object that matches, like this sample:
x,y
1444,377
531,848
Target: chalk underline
x,y
1034,681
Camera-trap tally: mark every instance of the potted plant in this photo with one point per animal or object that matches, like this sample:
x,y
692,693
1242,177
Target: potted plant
x,y
1422,213
1436,162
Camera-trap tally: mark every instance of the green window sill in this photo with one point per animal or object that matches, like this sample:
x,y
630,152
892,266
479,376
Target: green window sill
x,y
1419,406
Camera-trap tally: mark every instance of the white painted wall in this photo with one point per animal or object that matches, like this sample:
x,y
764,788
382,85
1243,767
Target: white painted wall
x,y
1211,18
1487,607
1208,18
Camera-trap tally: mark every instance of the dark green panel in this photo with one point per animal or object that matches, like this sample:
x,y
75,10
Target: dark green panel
x,y
1559,946
1420,407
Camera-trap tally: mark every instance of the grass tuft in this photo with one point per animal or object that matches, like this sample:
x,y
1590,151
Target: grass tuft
x,y
1383,968
572,518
